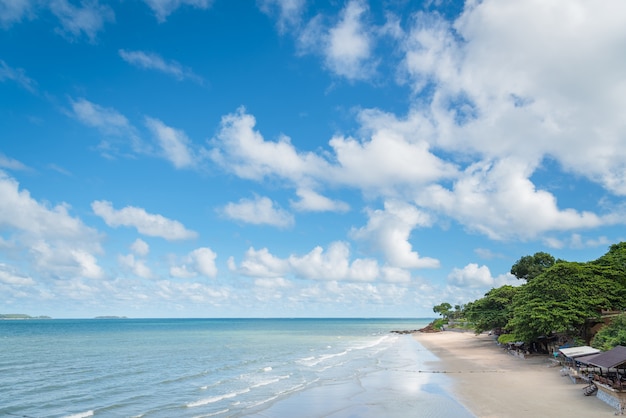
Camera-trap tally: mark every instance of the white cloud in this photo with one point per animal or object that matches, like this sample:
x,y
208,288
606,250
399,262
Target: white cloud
x,y
16,75
241,149
276,283
498,200
48,239
396,158
473,276
10,163
136,266
200,261
346,46
260,211
395,275
12,11
10,277
389,230
388,161
261,263
140,247
314,202
88,19
319,264
175,145
146,223
192,292
19,211
152,61
333,264
349,44
163,8
289,12
501,90
107,120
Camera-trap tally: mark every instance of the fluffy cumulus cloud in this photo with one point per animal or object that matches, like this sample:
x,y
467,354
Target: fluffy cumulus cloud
x,y
135,265
258,211
474,276
200,261
346,45
333,264
349,44
140,247
498,200
55,243
311,201
152,61
149,224
163,8
388,231
501,90
260,263
240,148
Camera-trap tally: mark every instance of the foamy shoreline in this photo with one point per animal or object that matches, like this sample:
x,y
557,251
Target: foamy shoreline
x,y
493,383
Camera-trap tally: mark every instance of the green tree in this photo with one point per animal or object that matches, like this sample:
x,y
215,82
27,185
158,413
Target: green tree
x,y
562,299
494,310
443,309
611,335
531,266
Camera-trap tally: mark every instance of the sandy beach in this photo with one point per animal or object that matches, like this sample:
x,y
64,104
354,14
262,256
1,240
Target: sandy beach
x,y
492,383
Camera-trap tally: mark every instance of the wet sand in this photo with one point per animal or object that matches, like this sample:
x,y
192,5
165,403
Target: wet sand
x,y
492,383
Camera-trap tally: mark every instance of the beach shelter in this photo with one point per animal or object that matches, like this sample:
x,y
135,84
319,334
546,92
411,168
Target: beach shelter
x,y
611,359
574,352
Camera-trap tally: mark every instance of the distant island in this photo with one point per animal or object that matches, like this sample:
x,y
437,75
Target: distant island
x,y
21,316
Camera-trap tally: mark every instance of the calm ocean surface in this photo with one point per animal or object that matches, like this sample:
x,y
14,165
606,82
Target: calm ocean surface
x,y
265,368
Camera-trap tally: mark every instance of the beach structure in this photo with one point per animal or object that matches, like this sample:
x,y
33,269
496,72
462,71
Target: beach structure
x,y
610,376
571,357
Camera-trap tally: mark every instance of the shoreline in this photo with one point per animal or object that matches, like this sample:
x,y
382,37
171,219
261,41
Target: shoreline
x,y
492,383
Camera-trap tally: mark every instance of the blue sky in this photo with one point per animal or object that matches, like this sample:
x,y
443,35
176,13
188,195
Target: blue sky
x,y
197,158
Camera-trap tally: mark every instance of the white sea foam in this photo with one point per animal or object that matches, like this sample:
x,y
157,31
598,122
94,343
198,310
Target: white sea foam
x,y
81,415
214,399
212,414
267,369
269,382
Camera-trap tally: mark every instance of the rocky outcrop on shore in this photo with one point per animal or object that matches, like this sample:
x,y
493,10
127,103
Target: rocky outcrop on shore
x,y
427,329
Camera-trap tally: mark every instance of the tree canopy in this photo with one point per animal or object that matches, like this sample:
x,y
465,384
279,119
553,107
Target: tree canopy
x,y
562,299
611,335
443,309
493,310
531,266
558,296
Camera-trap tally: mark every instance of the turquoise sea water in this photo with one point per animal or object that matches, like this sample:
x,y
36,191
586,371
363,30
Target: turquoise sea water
x,y
218,367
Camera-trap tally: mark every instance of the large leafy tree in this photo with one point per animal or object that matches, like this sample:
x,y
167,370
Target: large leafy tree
x,y
494,310
531,266
612,335
563,298
614,262
443,309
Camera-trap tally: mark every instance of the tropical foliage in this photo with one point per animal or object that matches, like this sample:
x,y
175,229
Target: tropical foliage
x,y
558,297
611,335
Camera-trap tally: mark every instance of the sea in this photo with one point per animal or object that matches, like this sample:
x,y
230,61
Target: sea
x,y
266,368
